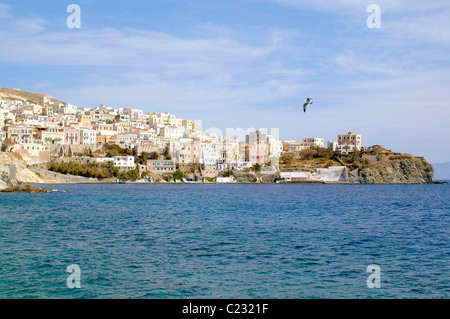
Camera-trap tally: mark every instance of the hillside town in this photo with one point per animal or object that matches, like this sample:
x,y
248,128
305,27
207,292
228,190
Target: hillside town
x,y
149,143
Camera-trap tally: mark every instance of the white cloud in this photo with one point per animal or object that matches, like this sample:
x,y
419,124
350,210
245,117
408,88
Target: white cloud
x,y
423,28
339,7
378,83
403,20
5,11
28,26
124,47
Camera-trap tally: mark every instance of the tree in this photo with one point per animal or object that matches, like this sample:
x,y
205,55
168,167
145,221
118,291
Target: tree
x,y
112,153
167,157
113,150
256,167
167,150
154,155
142,159
178,175
287,158
320,152
228,173
131,174
307,154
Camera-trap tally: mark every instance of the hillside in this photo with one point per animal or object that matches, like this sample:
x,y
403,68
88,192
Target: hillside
x,y
13,94
307,160
24,174
377,166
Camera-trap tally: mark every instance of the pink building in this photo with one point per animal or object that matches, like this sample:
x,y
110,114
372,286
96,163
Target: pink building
x,y
258,147
71,136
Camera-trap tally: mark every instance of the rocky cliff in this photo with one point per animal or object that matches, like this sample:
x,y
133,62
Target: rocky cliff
x,y
22,173
397,170
372,165
13,162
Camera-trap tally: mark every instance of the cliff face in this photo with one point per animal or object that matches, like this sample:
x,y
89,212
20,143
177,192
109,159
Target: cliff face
x,y
414,170
21,171
23,174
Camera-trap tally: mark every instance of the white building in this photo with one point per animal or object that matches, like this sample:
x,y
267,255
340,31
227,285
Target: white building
x,y
157,128
147,136
134,114
127,138
124,162
313,141
275,146
173,121
88,137
105,159
172,132
332,146
208,156
350,139
68,109
124,118
345,149
138,125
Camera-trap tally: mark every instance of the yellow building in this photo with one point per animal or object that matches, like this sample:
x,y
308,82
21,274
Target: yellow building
x,y
85,120
292,146
51,135
187,124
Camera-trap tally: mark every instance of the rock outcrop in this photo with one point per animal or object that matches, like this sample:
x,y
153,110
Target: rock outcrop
x,y
13,162
414,170
22,173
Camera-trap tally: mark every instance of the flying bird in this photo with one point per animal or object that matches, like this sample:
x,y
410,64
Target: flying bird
x,y
308,101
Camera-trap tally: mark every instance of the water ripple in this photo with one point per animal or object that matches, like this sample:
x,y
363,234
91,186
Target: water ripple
x,y
226,241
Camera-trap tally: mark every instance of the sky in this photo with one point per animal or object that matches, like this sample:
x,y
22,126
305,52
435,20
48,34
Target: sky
x,y
246,64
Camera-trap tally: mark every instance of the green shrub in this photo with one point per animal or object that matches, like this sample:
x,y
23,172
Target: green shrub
x,y
129,175
228,173
95,170
365,163
178,175
256,167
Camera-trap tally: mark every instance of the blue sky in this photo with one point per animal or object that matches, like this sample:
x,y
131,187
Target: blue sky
x,y
246,63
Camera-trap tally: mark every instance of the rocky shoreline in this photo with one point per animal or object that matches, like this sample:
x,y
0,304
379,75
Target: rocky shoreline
x,y
383,168
26,189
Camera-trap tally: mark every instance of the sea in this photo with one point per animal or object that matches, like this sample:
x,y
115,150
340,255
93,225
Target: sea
x,y
252,241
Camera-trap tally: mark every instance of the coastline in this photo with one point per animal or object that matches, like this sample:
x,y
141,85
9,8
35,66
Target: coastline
x,y
16,173
234,183
34,188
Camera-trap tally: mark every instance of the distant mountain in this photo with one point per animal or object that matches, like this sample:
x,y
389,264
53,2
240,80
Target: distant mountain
x,y
16,94
441,171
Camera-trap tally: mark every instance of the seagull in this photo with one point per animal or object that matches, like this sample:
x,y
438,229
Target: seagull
x,y
308,101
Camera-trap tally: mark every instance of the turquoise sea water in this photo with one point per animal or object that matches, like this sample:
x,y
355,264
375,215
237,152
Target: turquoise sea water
x,y
226,241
